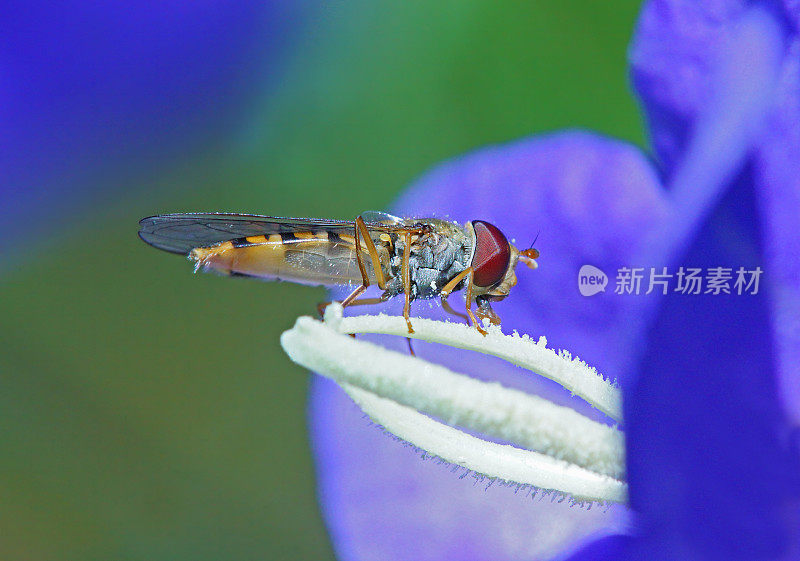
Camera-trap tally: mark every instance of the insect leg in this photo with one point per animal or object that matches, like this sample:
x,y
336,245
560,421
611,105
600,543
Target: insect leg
x,y
349,301
448,288
452,283
364,278
480,329
357,302
369,301
449,309
485,311
373,253
407,280
379,300
353,295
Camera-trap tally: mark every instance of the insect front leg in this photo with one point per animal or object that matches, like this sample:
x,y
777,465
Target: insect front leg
x,y
484,311
448,288
449,309
480,329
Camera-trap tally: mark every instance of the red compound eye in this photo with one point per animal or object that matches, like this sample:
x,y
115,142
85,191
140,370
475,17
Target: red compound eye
x,y
492,255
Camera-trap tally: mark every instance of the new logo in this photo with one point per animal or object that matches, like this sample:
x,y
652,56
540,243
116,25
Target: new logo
x,y
591,280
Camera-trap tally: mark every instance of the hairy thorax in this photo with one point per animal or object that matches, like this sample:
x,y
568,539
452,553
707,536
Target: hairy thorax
x,y
436,257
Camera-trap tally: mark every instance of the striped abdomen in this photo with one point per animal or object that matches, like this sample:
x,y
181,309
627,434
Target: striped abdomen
x,y
320,257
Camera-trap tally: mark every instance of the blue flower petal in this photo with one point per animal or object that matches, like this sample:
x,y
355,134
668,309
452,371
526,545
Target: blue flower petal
x,y
614,547
720,84
704,72
777,175
711,470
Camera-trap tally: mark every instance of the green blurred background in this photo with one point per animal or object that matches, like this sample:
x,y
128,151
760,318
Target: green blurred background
x,y
150,414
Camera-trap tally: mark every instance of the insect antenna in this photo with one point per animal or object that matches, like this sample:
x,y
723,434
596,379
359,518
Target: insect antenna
x,y
533,243
529,256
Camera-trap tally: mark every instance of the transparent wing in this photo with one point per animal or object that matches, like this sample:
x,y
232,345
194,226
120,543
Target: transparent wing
x,y
380,217
180,233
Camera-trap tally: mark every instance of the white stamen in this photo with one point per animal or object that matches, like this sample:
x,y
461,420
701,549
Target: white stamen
x,y
575,455
497,461
571,373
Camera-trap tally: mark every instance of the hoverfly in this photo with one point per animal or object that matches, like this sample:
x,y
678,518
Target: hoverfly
x,y
419,258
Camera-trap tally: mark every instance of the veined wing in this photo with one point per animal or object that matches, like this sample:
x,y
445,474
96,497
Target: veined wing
x,y
181,233
302,250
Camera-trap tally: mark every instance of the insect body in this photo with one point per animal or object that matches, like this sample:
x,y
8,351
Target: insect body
x,y
419,258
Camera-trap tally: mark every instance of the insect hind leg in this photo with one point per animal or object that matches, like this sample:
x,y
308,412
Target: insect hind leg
x,y
361,228
351,300
352,297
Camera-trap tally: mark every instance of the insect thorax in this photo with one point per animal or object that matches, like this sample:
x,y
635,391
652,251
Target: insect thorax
x,y
435,258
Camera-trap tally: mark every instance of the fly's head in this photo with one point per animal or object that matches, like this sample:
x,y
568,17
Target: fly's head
x,y
494,260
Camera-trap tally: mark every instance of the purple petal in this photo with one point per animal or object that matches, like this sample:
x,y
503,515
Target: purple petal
x,y
711,471
720,83
702,75
739,52
792,10
591,199
777,174
607,548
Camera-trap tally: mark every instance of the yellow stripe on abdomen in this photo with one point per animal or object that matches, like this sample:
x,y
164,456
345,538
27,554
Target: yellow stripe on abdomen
x,y
306,258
